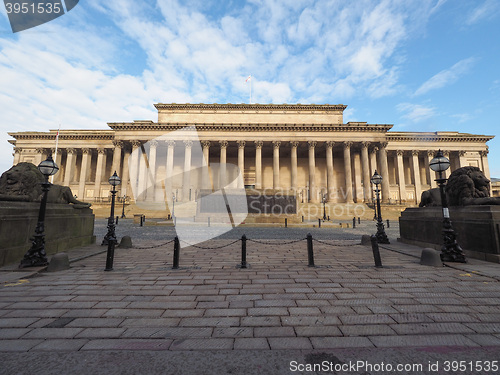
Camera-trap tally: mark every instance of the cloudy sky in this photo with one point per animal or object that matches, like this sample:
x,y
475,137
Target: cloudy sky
x,y
423,65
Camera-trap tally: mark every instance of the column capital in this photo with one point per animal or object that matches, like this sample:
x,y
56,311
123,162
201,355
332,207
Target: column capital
x,y
374,150
312,144
117,143
431,153
258,144
347,144
446,153
17,150
365,144
223,144
205,144
241,144
484,153
39,150
415,152
294,144
329,144
188,143
136,143
383,144
276,144
400,152
462,153
171,143
101,150
52,150
86,150
71,150
153,143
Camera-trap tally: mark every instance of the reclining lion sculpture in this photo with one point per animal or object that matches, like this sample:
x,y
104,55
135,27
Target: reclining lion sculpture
x,y
23,181
466,186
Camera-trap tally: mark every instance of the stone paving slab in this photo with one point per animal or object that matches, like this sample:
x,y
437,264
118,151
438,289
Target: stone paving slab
x,y
278,305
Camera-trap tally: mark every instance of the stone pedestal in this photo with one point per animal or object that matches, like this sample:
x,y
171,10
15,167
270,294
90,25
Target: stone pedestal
x,y
65,227
477,228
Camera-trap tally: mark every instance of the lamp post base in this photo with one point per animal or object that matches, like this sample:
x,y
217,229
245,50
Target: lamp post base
x,y
381,235
36,255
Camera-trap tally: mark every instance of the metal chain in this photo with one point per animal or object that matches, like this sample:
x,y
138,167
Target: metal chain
x,y
274,243
153,247
335,245
211,248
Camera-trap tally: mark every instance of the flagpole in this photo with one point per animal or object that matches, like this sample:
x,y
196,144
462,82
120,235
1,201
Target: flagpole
x,y
55,152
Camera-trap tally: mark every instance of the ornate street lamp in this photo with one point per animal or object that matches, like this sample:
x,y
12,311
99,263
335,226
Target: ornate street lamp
x,y
451,250
381,236
110,237
36,255
123,207
324,206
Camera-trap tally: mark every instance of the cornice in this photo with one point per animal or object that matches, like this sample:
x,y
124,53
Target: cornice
x,y
253,127
250,107
66,135
437,136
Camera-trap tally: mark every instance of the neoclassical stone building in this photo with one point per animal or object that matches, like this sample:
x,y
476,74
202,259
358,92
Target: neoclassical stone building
x,y
304,149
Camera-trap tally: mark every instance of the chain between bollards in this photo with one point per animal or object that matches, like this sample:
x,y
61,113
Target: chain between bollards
x,y
376,252
176,253
310,253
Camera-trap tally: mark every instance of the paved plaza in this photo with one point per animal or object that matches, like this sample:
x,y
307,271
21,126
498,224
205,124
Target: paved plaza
x,y
275,317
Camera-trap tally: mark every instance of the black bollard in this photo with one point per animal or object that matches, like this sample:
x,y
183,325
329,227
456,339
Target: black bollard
x,y
388,225
376,253
141,220
176,253
354,222
302,218
116,220
286,222
359,220
243,252
328,217
208,221
310,253
319,223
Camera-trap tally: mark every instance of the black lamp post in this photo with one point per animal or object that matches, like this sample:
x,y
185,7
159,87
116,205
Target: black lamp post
x,y
36,255
111,236
451,250
324,206
123,207
381,236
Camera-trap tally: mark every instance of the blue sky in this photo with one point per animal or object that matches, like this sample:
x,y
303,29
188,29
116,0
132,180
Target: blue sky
x,y
423,65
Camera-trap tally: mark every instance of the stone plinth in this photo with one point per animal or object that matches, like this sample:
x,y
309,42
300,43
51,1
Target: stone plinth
x,y
65,227
477,228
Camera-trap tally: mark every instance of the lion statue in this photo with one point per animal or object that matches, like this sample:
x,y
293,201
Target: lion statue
x,y
23,181
466,186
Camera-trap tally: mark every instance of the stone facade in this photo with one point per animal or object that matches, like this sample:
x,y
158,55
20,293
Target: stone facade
x,y
304,149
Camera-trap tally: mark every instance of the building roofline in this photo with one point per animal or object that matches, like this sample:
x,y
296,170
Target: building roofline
x,y
253,107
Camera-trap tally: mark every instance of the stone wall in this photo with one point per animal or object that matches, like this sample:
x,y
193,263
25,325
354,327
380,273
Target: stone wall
x,y
477,228
65,227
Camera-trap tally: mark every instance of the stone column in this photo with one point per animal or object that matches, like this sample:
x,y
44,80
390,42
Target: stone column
x,y
365,166
142,174
348,172
357,177
125,170
17,155
39,155
461,159
70,165
186,176
313,198
101,162
401,175
329,171
151,175
446,154
415,166
136,153
384,170
57,159
205,174
241,162
223,158
373,162
117,154
293,165
258,164
276,164
86,154
431,175
486,166
169,169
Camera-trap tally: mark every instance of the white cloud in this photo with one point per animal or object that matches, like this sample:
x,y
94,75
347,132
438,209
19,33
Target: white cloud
x,y
447,76
415,112
487,10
